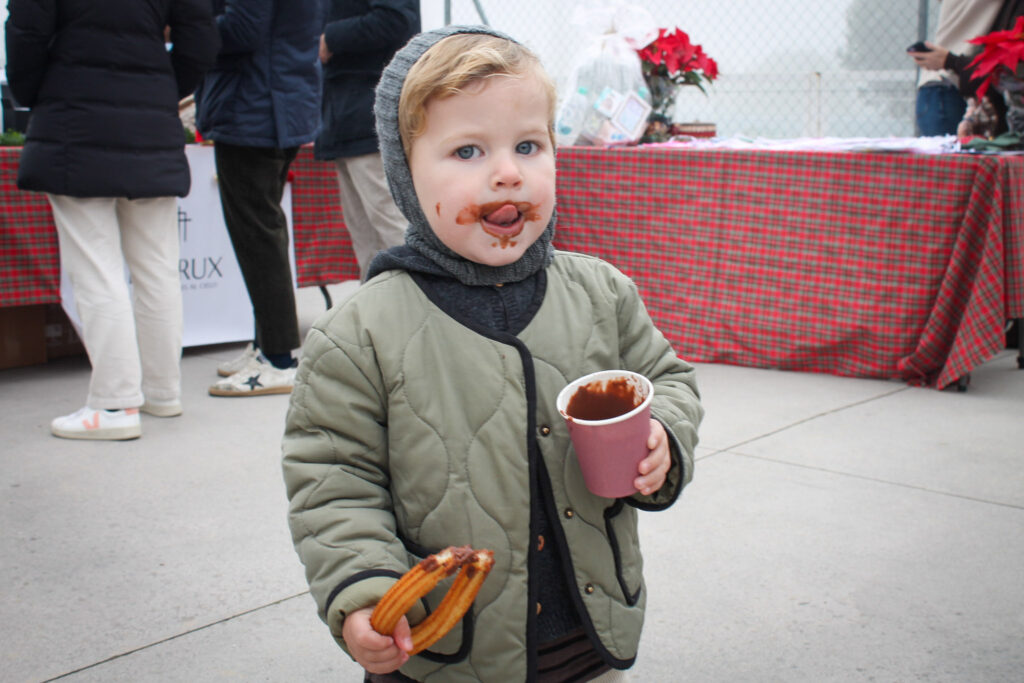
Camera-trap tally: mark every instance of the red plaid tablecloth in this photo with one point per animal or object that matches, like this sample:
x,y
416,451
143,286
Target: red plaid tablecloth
x,y
31,260
868,265
1011,182
323,250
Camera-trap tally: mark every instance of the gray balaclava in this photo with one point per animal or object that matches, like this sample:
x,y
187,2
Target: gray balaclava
x,y
419,235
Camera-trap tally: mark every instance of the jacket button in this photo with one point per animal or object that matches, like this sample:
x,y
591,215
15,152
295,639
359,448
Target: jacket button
x,y
589,588
540,542
569,513
538,608
545,430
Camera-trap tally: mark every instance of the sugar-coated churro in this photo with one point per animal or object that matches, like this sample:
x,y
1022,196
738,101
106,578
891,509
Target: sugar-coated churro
x,y
475,566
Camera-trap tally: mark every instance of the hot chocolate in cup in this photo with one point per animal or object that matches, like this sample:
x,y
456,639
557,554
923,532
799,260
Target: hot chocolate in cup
x,y
608,414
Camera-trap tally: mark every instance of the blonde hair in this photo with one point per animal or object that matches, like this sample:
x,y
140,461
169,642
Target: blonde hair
x,y
457,61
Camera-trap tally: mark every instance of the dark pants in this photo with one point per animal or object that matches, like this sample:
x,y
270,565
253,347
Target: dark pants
x,y
939,109
251,181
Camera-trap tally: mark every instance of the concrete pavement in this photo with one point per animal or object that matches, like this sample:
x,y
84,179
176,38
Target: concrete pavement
x,y
837,529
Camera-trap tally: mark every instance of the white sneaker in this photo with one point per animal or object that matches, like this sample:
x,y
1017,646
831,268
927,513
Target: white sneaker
x,y
160,408
89,423
258,379
230,367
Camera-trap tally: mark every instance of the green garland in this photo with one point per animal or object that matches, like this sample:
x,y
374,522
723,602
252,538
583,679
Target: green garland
x,y
12,138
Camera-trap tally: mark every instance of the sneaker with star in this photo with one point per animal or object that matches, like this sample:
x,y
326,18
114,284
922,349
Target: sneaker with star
x,y
259,378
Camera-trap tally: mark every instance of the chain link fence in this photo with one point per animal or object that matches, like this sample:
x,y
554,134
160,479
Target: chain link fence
x,y
789,68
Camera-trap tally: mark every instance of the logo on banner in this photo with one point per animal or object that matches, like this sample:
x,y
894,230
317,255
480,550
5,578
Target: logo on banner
x,y
197,272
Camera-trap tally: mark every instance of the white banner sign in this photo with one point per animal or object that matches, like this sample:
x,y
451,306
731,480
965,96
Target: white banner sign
x,y
217,307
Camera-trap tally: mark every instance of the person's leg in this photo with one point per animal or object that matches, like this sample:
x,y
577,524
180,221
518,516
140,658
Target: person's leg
x,y
251,181
360,230
90,250
939,109
373,221
149,235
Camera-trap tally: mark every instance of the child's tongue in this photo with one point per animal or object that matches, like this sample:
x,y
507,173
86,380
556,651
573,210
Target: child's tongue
x,y
503,216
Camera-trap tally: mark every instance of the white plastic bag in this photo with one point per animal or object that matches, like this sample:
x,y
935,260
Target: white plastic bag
x,y
606,70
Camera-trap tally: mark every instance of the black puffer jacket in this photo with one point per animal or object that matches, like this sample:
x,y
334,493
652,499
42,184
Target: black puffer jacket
x,y
363,36
104,92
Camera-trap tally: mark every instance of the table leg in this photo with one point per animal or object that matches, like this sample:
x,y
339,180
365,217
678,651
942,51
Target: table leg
x,y
1020,343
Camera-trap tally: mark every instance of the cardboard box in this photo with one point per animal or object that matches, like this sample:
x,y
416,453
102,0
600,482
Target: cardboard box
x,y
22,341
61,338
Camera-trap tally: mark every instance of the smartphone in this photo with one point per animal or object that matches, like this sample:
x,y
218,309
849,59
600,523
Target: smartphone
x,y
919,46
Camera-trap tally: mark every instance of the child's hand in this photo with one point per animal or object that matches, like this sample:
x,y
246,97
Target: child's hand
x,y
654,468
376,653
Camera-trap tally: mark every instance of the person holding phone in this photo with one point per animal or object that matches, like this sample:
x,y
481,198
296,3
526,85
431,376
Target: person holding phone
x,y
940,105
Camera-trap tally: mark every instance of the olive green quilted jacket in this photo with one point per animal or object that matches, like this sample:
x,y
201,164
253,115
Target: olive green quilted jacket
x,y
409,431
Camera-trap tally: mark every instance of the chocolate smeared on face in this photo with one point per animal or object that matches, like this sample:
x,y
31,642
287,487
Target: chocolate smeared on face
x,y
503,220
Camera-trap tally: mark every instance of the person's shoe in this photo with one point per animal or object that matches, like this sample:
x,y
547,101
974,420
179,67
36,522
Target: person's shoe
x,y
89,423
160,408
258,379
230,367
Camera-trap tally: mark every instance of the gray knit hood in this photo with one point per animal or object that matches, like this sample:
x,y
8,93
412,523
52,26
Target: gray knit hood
x,y
418,235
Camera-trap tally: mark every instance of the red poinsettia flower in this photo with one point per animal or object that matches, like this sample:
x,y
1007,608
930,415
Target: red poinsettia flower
x,y
673,56
1003,50
706,64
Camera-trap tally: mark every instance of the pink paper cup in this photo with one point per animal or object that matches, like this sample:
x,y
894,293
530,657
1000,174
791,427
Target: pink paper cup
x,y
609,424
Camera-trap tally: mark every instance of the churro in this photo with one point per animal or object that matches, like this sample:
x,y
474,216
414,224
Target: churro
x,y
475,566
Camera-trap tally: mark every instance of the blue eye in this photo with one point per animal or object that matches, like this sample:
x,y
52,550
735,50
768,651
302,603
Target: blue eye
x,y
467,152
527,147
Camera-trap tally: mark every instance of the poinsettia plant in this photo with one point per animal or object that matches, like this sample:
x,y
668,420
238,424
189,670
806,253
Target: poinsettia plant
x,y
1001,50
669,62
672,56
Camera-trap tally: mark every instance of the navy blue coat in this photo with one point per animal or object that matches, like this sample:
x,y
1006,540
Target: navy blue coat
x,y
264,90
104,92
363,35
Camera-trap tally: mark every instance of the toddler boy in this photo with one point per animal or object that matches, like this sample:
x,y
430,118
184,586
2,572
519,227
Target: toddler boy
x,y
424,414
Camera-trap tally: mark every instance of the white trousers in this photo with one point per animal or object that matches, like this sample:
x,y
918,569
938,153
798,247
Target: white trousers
x,y
132,335
374,222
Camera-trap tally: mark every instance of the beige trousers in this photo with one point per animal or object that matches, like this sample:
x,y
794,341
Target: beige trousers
x,y
132,335
374,222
